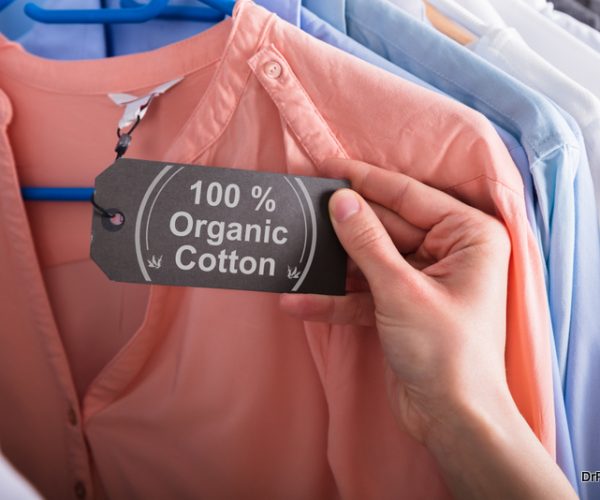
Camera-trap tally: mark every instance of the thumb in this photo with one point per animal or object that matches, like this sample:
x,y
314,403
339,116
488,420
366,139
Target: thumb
x,y
365,239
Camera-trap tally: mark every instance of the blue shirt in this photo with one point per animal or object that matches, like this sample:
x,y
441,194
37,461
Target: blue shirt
x,y
60,41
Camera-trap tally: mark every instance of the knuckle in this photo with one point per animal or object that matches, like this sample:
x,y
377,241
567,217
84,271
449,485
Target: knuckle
x,y
486,229
402,189
362,310
361,176
366,237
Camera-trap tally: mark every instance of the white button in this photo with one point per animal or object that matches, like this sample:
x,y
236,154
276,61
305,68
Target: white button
x,y
272,69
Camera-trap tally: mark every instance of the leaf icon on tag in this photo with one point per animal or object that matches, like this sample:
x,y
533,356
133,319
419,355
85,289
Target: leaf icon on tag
x,y
293,274
155,263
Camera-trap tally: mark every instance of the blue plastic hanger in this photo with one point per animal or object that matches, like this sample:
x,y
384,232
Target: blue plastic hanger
x,y
224,6
140,13
5,3
181,12
57,193
96,16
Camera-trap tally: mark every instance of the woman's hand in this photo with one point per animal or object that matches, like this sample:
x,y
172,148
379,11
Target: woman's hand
x,y
437,279
431,274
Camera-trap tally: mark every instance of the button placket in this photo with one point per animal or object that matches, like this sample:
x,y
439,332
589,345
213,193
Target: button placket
x,y
81,466
295,106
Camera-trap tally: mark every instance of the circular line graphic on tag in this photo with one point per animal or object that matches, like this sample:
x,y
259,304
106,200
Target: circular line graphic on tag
x,y
313,243
303,216
138,221
155,200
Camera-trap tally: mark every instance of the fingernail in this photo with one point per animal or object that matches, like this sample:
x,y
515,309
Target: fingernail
x,y
345,204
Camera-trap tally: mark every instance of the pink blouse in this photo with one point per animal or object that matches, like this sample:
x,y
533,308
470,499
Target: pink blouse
x,y
111,390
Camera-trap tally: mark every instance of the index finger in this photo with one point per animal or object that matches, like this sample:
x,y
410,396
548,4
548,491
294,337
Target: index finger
x,y
417,203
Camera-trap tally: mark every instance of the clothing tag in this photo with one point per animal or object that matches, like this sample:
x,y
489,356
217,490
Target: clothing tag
x,y
136,107
215,227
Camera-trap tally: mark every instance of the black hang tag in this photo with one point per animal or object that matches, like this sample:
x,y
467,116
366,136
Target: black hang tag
x,y
189,225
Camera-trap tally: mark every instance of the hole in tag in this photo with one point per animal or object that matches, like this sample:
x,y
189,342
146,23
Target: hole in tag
x,y
118,219
115,222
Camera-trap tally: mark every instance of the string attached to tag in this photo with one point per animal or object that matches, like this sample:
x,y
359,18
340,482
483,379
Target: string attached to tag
x,y
134,112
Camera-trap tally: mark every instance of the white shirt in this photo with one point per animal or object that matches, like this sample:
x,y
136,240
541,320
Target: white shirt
x,y
415,8
579,30
482,10
561,49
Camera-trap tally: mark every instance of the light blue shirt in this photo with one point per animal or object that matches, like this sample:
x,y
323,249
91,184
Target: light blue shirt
x,y
582,374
